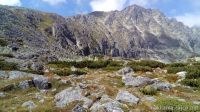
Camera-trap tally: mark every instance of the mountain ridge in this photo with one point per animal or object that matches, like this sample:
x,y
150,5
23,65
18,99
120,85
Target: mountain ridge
x,y
134,32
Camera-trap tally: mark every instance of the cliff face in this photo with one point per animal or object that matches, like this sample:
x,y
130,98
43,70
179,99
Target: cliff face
x,y
134,32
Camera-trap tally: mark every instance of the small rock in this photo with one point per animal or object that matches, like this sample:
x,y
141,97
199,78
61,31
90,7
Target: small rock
x,y
181,100
37,67
26,84
42,82
2,94
196,102
149,99
78,108
125,71
163,86
125,96
182,74
29,104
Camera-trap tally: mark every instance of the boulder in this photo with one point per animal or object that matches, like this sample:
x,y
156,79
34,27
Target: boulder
x,y
41,82
125,96
182,74
26,84
29,104
69,95
125,71
10,75
112,106
136,81
37,67
163,86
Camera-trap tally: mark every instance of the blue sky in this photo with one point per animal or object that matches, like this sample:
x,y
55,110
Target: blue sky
x,y
186,11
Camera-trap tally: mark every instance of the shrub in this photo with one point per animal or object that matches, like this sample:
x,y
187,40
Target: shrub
x,y
7,55
8,65
141,68
177,64
174,70
145,65
148,90
33,72
193,73
191,82
3,42
69,72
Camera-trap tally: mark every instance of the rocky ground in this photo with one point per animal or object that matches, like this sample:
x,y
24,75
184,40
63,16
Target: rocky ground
x,y
125,89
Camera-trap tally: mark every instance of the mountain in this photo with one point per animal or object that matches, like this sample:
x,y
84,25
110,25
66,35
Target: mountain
x,y
134,32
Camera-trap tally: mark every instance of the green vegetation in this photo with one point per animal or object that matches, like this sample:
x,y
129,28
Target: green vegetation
x,y
7,55
8,65
148,90
68,72
173,105
148,63
3,42
145,65
107,65
191,82
33,71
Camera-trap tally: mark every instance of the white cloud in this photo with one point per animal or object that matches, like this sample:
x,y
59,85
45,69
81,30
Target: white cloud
x,y
189,19
55,2
107,5
142,2
10,2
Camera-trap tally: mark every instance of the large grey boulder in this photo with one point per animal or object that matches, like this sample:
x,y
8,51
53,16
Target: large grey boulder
x,y
126,97
41,82
125,71
69,95
139,81
29,104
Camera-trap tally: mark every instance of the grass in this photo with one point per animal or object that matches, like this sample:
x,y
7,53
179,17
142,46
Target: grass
x,y
173,105
191,82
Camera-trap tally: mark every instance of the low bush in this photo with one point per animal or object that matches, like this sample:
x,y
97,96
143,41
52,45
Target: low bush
x,y
141,68
88,64
174,70
7,55
69,72
33,72
191,82
3,42
148,63
148,90
177,65
8,65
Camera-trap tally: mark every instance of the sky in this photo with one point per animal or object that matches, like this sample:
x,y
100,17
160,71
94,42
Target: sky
x,y
186,11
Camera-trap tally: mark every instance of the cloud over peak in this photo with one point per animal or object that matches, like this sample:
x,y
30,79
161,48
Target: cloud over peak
x,y
10,2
